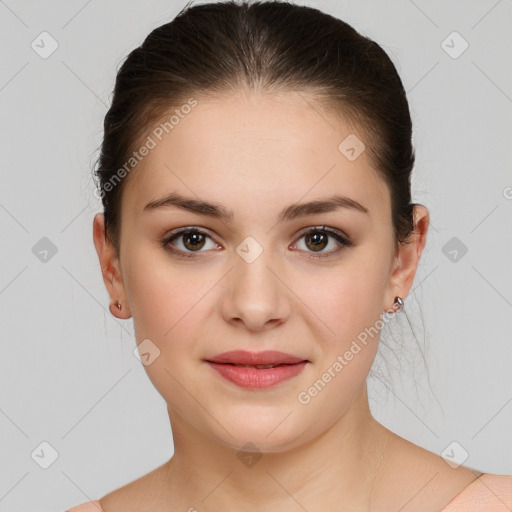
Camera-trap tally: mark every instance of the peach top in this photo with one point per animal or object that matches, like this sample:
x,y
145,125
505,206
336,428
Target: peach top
x,y
488,493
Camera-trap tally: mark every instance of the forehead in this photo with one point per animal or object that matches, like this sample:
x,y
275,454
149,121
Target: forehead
x,y
254,151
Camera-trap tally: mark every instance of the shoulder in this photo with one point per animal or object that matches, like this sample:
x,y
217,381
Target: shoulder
x,y
416,480
133,496
143,493
488,493
90,506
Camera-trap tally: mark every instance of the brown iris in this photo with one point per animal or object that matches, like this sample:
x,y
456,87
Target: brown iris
x,y
197,240
320,240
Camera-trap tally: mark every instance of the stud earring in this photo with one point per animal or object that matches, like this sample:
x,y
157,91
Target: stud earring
x,y
119,304
398,304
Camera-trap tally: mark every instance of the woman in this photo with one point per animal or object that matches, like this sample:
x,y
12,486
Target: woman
x,y
258,226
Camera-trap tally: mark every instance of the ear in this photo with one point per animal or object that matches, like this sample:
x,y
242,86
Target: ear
x,y
407,258
110,269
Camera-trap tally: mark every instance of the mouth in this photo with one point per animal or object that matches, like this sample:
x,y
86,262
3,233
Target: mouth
x,y
256,370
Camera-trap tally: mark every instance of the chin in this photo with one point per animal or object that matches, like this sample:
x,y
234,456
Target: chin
x,y
263,432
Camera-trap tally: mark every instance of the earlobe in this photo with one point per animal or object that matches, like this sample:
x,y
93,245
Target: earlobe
x,y
116,308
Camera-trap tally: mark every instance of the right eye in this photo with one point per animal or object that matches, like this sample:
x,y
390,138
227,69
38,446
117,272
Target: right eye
x,y
191,239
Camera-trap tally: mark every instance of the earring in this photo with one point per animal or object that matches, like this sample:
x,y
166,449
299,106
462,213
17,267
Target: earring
x,y
398,304
118,304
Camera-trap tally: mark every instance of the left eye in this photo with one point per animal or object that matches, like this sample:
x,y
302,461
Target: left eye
x,y
193,240
318,239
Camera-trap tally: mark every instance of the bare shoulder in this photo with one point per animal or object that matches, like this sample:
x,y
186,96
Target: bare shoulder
x,y
136,495
417,480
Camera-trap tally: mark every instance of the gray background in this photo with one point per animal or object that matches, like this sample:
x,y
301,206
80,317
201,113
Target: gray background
x,y
67,369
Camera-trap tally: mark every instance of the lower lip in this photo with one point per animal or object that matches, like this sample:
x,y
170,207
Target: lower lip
x,y
257,378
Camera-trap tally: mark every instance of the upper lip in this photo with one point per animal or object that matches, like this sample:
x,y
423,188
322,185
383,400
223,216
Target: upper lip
x,y
254,358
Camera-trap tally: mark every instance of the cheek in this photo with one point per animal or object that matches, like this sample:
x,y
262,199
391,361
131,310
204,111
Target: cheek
x,y
161,295
347,298
166,307
346,328
171,304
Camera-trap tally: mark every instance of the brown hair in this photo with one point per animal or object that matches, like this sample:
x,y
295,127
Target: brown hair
x,y
218,48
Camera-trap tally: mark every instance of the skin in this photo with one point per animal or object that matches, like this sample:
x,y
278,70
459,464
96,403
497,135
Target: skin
x,y
256,153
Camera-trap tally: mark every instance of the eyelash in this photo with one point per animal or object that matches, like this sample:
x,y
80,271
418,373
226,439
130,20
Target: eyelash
x,y
343,242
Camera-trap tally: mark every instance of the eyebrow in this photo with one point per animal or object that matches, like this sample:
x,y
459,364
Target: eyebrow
x,y
290,212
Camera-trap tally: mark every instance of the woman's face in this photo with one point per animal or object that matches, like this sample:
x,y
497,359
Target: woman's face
x,y
254,281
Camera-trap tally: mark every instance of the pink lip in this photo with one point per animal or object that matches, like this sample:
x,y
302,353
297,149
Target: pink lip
x,y
258,378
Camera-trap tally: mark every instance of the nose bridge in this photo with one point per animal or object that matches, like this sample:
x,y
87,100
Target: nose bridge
x,y
256,295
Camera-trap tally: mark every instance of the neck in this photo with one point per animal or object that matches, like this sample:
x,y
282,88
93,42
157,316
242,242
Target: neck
x,y
339,466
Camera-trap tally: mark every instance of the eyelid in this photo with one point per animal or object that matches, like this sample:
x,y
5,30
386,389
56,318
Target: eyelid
x,y
175,234
328,230
342,239
205,231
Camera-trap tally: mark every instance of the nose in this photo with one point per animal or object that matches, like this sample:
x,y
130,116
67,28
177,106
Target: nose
x,y
257,296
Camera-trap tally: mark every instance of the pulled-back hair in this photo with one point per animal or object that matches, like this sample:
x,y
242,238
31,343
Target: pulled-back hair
x,y
266,46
